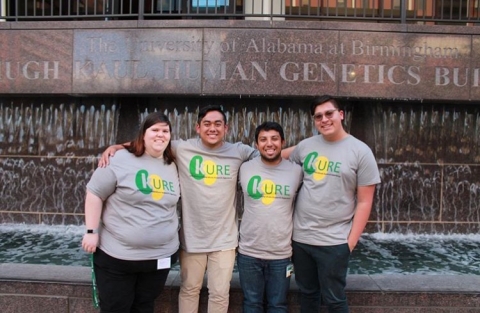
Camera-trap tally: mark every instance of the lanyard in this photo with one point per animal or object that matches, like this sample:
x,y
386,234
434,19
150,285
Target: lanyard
x,y
94,285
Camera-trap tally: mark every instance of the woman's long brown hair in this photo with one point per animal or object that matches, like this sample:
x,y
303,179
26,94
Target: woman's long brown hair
x,y
137,146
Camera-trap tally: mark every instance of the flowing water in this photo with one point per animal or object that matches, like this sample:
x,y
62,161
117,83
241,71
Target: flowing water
x,y
375,254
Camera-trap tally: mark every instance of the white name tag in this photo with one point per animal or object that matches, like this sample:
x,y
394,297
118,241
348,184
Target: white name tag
x,y
289,270
163,263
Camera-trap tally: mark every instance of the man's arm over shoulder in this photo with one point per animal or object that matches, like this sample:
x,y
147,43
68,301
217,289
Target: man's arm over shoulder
x,y
286,152
110,152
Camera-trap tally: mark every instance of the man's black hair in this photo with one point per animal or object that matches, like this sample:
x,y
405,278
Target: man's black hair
x,y
209,108
321,100
266,126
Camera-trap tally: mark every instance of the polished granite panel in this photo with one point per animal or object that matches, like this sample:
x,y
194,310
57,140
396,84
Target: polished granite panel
x,y
408,192
426,153
64,126
37,185
366,293
79,287
19,217
243,116
458,135
149,61
475,74
35,62
76,218
435,133
294,58
407,133
77,305
461,193
404,66
425,227
372,226
27,303
397,300
263,62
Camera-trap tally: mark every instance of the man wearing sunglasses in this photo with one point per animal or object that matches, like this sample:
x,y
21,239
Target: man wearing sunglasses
x,y
332,208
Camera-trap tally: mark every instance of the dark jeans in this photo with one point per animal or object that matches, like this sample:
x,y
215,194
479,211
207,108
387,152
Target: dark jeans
x,y
128,286
263,280
320,273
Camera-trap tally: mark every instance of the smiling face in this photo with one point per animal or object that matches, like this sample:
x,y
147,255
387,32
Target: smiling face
x,y
212,129
156,139
328,121
269,144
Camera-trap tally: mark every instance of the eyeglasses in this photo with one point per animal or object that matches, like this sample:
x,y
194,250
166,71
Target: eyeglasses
x,y
328,114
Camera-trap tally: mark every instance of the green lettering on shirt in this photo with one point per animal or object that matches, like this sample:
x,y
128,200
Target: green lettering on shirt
x,y
196,167
141,181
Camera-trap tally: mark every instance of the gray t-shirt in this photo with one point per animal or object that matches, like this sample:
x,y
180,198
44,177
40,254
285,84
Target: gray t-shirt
x,y
139,218
268,193
208,179
326,202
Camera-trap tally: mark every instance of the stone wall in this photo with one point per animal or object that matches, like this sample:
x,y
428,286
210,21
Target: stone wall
x,y
248,58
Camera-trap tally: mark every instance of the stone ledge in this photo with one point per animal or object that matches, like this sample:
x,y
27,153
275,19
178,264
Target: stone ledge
x,y
364,283
66,289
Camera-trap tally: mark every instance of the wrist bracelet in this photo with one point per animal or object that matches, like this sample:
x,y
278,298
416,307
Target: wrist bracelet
x,y
92,231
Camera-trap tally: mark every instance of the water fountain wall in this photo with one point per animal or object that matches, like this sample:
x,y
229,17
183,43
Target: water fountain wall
x,y
428,153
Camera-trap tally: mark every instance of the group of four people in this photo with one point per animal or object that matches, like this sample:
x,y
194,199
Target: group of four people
x,y
321,198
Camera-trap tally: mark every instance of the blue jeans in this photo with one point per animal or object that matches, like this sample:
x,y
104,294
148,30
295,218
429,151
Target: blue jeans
x,y
263,280
321,273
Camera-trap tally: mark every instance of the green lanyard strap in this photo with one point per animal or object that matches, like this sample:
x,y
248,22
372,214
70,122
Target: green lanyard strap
x,y
94,285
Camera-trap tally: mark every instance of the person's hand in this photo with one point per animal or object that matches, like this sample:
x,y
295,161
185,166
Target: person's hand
x,y
105,158
90,242
351,245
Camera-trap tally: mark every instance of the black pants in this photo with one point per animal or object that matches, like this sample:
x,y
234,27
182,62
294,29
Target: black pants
x,y
321,273
128,286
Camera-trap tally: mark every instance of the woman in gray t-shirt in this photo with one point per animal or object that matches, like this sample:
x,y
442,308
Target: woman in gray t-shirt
x,y
131,220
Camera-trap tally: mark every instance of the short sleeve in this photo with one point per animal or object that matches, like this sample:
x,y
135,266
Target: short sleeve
x,y
368,173
247,152
103,183
295,155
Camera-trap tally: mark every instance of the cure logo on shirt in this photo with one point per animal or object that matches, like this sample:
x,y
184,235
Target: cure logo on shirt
x,y
319,166
207,170
266,189
152,184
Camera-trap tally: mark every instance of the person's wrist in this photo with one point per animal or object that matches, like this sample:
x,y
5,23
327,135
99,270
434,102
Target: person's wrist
x,y
91,231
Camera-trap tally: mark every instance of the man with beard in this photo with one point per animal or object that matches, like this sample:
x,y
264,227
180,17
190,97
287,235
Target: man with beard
x,y
269,184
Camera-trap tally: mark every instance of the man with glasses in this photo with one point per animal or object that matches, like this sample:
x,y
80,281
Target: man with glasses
x,y
332,208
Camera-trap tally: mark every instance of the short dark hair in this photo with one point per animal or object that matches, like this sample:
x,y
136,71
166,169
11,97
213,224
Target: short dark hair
x,y
137,146
321,100
266,126
209,108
